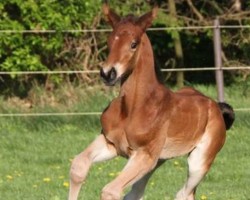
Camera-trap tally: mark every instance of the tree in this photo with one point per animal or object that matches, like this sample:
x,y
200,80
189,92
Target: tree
x,y
177,44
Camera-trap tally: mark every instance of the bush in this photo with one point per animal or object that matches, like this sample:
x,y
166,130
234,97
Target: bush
x,y
21,51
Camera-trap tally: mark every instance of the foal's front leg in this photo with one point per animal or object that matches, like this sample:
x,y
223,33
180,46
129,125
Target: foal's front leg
x,y
98,150
139,164
138,188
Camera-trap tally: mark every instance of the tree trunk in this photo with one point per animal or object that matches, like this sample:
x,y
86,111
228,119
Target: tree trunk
x,y
177,45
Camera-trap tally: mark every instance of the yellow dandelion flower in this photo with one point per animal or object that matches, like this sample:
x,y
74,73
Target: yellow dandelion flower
x,y
176,163
34,186
203,197
47,179
9,177
111,174
61,177
152,183
66,184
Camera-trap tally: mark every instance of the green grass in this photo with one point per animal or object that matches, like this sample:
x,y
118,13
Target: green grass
x,y
35,155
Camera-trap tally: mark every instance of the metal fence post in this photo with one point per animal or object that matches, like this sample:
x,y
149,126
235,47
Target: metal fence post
x,y
218,61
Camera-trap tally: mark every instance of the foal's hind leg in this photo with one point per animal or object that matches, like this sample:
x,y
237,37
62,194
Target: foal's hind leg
x,y
138,188
199,162
98,150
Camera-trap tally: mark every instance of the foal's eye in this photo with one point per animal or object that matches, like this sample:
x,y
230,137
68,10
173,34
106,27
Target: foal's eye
x,y
133,45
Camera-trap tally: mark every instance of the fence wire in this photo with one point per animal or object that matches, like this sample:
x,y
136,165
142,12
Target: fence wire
x,y
97,71
66,114
109,30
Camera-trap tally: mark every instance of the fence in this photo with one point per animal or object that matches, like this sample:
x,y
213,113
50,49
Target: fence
x,y
218,64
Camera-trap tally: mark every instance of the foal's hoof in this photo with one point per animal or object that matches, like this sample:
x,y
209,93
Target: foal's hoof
x,y
110,195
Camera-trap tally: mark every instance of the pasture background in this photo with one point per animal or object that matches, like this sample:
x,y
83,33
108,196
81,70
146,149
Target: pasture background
x,y
36,152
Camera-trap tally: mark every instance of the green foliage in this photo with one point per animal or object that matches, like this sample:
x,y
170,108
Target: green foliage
x,y
22,60
33,51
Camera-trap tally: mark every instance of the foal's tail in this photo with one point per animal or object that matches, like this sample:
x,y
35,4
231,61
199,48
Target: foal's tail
x,y
228,114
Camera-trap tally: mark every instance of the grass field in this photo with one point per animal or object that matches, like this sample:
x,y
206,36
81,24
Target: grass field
x,y
35,155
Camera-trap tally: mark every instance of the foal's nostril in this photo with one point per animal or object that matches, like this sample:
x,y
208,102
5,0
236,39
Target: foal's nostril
x,y
109,77
112,73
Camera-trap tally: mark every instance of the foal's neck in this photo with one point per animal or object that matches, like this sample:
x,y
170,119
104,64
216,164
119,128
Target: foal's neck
x,y
143,80
145,69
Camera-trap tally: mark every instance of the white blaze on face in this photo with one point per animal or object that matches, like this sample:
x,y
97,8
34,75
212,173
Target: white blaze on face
x,y
118,66
113,63
119,69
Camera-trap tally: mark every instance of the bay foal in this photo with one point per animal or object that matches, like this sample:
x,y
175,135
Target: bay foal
x,y
147,123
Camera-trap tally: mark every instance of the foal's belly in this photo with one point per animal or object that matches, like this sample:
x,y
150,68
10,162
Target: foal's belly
x,y
172,149
181,143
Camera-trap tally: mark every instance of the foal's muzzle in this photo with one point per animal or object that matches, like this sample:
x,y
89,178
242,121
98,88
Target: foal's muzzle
x,y
109,77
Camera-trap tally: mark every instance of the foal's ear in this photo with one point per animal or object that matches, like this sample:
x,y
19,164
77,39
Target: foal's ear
x,y
145,21
111,17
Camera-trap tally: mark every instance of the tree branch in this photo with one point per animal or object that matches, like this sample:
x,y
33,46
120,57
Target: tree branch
x,y
196,12
215,6
236,16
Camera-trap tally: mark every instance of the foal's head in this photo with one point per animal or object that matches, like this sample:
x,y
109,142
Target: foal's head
x,y
123,43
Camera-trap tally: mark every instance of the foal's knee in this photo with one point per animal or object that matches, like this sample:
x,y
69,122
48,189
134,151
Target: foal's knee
x,y
79,169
